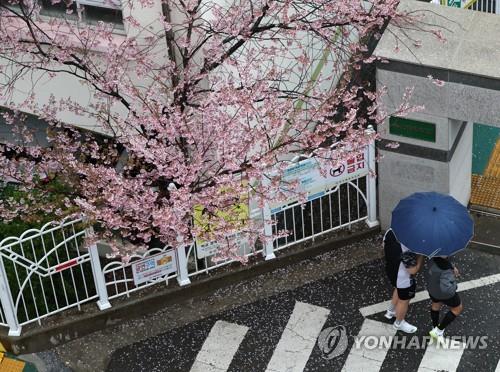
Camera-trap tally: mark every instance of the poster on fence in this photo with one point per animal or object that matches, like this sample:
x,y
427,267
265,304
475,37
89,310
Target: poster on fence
x,y
310,180
207,249
153,267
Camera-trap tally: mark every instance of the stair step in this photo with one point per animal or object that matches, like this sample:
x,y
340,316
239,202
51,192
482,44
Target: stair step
x,y
11,365
485,191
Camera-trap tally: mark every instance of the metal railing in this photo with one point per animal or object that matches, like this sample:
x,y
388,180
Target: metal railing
x,y
339,207
44,272
487,6
47,271
119,278
198,263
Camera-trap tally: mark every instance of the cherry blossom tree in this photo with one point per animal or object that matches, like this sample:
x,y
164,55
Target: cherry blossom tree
x,y
193,112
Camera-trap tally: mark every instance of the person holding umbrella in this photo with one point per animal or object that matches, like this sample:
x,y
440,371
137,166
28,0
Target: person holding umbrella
x,y
436,226
401,267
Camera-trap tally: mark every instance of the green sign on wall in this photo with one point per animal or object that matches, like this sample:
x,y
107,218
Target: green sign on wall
x,y
454,3
412,128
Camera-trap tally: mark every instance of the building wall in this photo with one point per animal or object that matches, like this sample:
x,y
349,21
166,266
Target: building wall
x,y
460,166
416,166
401,175
63,85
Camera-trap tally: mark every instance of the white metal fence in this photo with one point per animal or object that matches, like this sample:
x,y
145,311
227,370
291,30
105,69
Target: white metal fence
x,y
339,207
44,272
487,6
47,271
119,278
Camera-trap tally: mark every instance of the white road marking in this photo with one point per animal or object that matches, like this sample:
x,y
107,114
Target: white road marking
x,y
298,339
362,359
498,366
219,348
382,306
442,358
423,295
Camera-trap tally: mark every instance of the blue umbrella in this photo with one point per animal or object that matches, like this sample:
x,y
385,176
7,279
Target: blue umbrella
x,y
432,224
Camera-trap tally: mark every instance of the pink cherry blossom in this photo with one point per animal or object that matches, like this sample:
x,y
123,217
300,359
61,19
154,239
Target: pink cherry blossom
x,y
194,112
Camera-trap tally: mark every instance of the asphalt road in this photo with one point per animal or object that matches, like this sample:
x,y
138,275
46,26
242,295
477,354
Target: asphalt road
x,y
279,333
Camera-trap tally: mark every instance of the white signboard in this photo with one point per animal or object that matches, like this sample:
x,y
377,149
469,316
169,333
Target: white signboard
x,y
310,180
153,267
207,249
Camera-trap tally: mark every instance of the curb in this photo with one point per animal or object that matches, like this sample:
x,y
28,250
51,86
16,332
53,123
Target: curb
x,y
40,339
485,247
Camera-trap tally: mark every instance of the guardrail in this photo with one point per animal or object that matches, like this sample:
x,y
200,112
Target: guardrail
x,y
49,270
44,272
487,6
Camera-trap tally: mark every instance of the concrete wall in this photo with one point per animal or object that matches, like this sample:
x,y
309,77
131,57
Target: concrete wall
x,y
460,167
468,65
401,175
473,100
444,165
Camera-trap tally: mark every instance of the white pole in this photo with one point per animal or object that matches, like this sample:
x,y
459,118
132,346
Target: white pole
x,y
182,270
268,251
7,303
100,281
371,186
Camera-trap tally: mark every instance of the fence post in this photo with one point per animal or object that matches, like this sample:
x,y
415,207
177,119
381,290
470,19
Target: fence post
x,y
100,281
268,251
7,303
182,270
371,183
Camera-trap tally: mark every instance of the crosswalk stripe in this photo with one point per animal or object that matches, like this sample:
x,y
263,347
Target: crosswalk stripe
x,y
219,348
382,306
361,359
298,338
498,366
442,358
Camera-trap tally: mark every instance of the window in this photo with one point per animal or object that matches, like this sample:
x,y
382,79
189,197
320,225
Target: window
x,y
58,10
89,11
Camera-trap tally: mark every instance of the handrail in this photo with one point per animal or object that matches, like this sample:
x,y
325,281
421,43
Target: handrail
x,y
469,4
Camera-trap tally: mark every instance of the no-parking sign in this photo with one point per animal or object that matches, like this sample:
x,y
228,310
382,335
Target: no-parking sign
x,y
315,177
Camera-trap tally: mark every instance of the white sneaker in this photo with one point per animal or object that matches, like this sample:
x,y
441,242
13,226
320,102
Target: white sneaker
x,y
436,333
389,314
404,326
